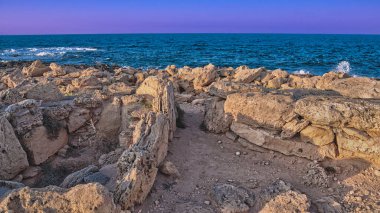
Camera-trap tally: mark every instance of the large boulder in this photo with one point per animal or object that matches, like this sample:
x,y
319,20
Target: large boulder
x,y
224,88
341,112
247,75
281,197
13,158
215,119
110,119
266,110
203,77
357,87
35,69
78,118
47,92
267,140
43,142
25,115
82,198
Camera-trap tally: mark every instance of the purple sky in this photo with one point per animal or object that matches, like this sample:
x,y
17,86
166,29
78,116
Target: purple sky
x,y
189,16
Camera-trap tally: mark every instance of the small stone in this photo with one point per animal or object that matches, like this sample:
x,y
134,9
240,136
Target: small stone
x,y
156,202
207,202
221,147
219,142
335,178
237,153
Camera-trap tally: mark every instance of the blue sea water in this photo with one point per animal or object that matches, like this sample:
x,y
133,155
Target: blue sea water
x,y
315,54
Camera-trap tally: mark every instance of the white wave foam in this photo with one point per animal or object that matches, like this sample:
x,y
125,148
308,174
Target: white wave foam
x,y
45,54
45,51
301,72
343,67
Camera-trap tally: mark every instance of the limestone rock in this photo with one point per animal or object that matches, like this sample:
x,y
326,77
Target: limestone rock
x,y
203,77
78,117
56,70
35,69
280,197
266,140
224,88
90,81
10,96
247,75
168,168
317,135
40,145
215,119
291,128
47,92
357,87
13,158
339,111
82,198
110,119
78,177
259,109
233,199
121,88
25,115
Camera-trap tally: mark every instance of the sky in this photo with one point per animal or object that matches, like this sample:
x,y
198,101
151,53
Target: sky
x,y
189,16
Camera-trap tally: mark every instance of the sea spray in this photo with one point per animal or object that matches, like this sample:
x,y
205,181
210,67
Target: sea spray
x,y
343,67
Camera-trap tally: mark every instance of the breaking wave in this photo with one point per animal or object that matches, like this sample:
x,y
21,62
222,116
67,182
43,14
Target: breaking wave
x,y
44,52
301,72
343,67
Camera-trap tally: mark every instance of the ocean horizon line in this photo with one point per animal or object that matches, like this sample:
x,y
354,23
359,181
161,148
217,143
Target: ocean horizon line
x,y
198,33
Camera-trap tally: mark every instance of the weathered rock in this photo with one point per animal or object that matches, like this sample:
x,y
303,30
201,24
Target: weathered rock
x,y
215,119
137,172
110,119
47,92
168,168
356,87
8,186
296,81
247,75
172,70
163,99
328,205
266,140
353,143
31,171
316,176
327,79
78,117
317,135
259,109
56,71
233,199
224,88
57,111
82,198
203,77
13,79
13,158
40,144
25,115
10,96
90,81
78,177
92,100
280,197
35,69
121,88
338,111
291,128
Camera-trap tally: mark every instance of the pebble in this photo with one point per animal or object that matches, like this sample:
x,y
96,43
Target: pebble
x,y
156,202
207,202
237,153
219,142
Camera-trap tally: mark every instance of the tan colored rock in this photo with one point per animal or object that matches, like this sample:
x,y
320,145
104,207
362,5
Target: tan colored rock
x,y
317,135
339,111
13,79
260,109
357,87
224,88
307,82
78,118
267,140
25,115
280,197
327,79
110,119
354,144
168,168
172,70
276,83
56,71
203,77
13,158
291,128
35,69
121,88
90,81
140,77
47,92
215,119
82,198
40,144
247,75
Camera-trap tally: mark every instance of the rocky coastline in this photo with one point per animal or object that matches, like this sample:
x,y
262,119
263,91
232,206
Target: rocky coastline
x,y
94,138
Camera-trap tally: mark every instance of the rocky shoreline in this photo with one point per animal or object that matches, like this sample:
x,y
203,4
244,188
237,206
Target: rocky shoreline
x,y
105,131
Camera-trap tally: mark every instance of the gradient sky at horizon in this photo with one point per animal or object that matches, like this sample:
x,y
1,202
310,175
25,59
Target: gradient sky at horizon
x,y
189,16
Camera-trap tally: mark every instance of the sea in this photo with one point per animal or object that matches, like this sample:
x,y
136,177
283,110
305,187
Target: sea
x,y
358,55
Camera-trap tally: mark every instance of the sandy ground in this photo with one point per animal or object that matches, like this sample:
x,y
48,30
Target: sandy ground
x,y
204,159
